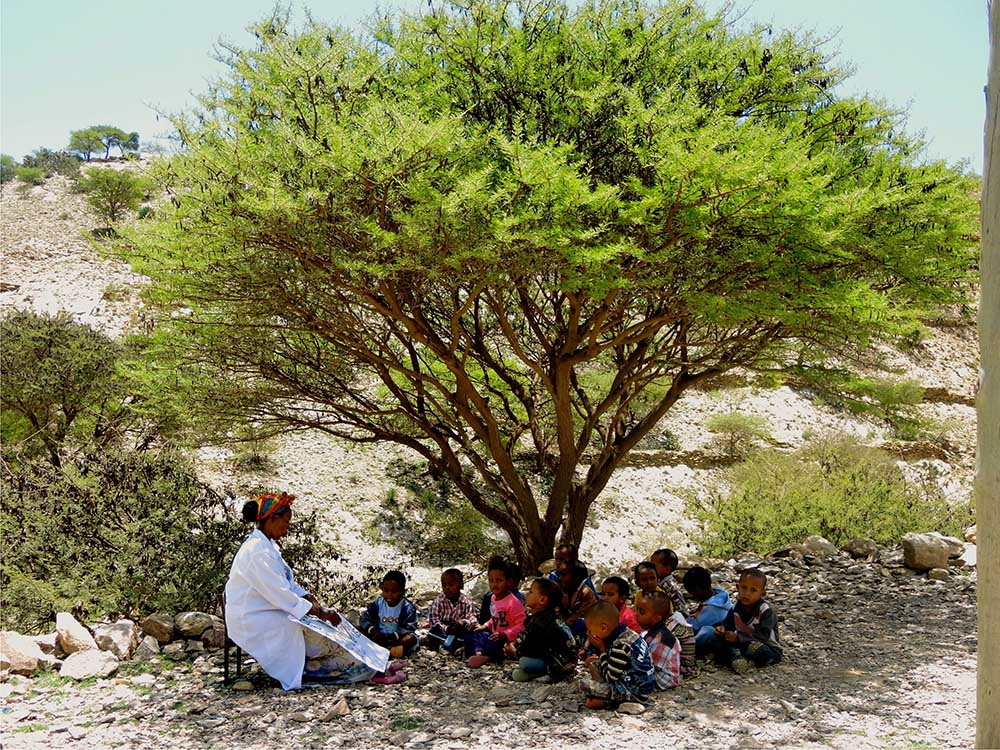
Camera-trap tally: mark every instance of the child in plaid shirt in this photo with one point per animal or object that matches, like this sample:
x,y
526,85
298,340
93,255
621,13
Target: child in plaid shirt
x,y
664,648
665,561
452,614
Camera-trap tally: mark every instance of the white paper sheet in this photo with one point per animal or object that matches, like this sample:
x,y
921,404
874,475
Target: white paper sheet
x,y
352,640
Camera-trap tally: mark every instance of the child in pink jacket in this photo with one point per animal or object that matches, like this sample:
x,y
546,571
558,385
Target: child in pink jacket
x,y
485,644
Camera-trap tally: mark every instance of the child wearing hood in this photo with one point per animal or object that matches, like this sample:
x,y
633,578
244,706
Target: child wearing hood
x,y
711,607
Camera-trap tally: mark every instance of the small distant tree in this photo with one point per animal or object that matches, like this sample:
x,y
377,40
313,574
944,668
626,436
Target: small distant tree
x,y
112,193
85,142
30,175
54,162
8,168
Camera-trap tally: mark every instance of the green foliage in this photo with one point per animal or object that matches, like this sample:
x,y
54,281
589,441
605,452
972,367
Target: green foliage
x,y
30,175
834,487
534,226
882,399
60,379
90,140
144,212
54,162
738,433
113,193
8,168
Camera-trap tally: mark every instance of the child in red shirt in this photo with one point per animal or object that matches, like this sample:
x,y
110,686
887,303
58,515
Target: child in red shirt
x,y
616,590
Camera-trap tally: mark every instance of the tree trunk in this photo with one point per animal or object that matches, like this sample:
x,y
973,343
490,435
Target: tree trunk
x,y
988,402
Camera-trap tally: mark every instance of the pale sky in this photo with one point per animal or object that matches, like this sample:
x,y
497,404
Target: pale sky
x,y
66,65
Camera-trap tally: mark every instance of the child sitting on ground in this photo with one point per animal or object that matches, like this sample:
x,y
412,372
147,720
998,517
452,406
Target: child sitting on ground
x,y
616,590
677,625
453,614
514,578
623,671
664,648
577,597
486,643
712,607
749,636
546,647
391,620
646,581
665,561
568,553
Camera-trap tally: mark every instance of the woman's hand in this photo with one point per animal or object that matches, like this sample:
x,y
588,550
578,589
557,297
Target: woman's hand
x,y
330,615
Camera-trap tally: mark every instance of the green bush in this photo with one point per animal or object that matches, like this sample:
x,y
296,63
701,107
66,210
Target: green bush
x,y
54,162
8,168
834,487
738,433
30,175
112,193
124,533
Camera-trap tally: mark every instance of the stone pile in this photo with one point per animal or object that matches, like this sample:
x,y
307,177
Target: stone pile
x,y
80,652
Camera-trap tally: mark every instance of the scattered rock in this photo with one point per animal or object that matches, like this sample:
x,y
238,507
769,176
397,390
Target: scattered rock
x,y
174,650
820,547
19,654
300,716
120,638
631,708
48,643
970,534
194,647
243,685
924,552
89,663
147,649
160,626
71,635
861,549
338,709
533,714
193,624
939,574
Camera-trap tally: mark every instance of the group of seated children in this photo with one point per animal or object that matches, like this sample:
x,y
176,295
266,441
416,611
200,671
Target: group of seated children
x,y
628,652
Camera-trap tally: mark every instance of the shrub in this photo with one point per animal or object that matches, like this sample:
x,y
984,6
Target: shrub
x,y
8,168
738,433
144,212
112,193
834,487
124,533
54,162
30,175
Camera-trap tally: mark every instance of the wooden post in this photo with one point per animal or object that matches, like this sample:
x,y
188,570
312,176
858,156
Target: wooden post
x,y
988,406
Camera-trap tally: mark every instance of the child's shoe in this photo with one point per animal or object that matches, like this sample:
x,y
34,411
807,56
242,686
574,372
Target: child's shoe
x,y
741,665
478,660
390,679
519,675
396,666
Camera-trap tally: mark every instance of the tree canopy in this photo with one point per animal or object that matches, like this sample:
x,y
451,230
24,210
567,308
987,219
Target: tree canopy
x,y
509,236
88,140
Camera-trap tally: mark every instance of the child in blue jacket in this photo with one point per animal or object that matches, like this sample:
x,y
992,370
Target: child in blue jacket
x,y
712,608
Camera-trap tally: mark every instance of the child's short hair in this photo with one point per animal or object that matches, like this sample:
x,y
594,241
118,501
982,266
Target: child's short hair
x,y
574,553
397,576
619,583
498,563
515,573
660,603
667,556
579,571
697,578
550,590
755,573
454,573
644,565
603,611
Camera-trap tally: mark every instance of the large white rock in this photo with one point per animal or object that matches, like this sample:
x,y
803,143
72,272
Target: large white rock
x,y
71,635
955,545
192,624
925,552
120,638
19,654
89,663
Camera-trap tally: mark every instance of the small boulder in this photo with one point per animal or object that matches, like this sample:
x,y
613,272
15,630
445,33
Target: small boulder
x,y
338,709
215,636
48,643
192,624
938,574
160,626
820,547
955,545
924,552
120,638
19,654
174,650
89,663
72,636
861,549
970,534
193,647
147,649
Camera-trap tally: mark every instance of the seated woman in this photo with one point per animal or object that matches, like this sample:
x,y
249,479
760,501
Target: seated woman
x,y
261,593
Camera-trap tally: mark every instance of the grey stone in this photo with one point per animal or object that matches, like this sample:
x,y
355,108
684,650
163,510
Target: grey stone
x,y
533,714
160,626
71,635
861,549
174,650
338,709
120,638
89,663
970,534
924,552
215,636
820,547
48,643
147,649
955,545
192,624
938,574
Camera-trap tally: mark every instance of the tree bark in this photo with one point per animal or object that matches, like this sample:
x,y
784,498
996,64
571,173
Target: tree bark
x,y
988,403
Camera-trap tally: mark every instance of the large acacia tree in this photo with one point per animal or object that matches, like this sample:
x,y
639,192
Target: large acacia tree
x,y
509,236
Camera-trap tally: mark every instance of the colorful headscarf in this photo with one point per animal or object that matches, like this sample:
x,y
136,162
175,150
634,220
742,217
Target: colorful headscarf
x,y
271,503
